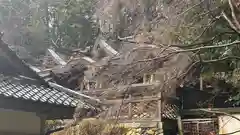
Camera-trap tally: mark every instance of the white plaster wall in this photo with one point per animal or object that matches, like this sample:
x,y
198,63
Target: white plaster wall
x,y
228,124
19,122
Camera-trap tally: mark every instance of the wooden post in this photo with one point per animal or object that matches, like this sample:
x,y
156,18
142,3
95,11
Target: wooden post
x,y
179,122
152,78
159,114
201,82
42,128
100,85
198,128
42,123
81,86
97,84
130,107
145,78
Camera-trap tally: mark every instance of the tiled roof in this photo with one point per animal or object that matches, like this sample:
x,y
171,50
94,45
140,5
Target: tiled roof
x,y
13,87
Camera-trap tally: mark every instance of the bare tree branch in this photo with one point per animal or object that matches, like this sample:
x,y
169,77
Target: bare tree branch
x,y
206,29
208,47
234,15
221,59
183,45
184,12
230,22
193,50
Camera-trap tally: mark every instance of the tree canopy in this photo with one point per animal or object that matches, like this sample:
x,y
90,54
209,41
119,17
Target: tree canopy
x,y
209,29
40,24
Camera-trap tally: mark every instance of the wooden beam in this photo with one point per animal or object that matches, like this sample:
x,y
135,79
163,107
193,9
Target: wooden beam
x,y
44,73
85,58
35,68
121,89
197,120
67,90
107,47
199,111
132,100
126,120
90,60
139,124
57,58
140,120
